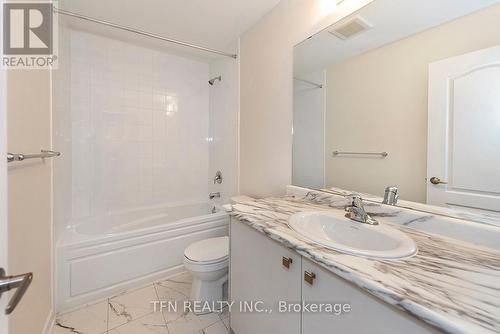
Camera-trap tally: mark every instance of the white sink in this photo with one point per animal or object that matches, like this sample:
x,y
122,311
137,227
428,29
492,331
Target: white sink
x,y
334,231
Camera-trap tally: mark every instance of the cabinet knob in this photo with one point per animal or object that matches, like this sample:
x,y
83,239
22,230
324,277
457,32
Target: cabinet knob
x,y
309,277
286,262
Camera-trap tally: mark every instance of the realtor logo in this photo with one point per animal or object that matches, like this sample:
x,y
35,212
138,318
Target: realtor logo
x,y
28,35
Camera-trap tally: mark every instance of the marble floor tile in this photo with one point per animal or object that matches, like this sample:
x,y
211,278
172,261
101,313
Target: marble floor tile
x,y
180,283
91,319
176,299
149,324
224,316
192,323
131,305
217,328
132,312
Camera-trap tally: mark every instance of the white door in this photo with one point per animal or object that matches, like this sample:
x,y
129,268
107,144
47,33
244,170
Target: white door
x,y
463,167
3,193
3,187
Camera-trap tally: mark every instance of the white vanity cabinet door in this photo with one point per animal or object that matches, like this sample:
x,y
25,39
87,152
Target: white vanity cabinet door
x,y
258,274
368,314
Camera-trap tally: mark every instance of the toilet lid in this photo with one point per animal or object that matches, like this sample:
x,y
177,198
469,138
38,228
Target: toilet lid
x,y
208,250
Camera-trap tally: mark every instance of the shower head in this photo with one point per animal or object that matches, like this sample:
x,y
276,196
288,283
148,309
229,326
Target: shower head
x,y
212,81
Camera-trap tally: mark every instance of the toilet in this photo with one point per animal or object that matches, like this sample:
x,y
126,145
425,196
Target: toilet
x,y
207,261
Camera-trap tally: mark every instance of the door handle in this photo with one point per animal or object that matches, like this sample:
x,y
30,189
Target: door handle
x,y
19,282
437,180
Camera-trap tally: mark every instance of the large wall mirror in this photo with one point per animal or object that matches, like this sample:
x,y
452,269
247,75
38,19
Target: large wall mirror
x,y
407,94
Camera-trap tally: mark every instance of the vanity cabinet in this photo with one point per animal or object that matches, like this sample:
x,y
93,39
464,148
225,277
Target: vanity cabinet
x,y
262,270
258,272
367,313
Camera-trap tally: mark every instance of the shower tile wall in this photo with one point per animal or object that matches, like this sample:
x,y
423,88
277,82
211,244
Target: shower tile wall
x,y
223,126
139,127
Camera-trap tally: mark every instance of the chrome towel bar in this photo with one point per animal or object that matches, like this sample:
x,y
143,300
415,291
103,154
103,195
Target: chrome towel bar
x,y
382,154
21,157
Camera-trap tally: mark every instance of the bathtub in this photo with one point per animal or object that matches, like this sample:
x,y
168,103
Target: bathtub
x,y
99,257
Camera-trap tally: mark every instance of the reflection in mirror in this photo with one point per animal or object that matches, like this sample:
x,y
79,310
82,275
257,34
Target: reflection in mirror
x,y
405,94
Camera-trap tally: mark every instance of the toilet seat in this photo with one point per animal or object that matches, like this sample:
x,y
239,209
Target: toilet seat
x,y
208,252
204,267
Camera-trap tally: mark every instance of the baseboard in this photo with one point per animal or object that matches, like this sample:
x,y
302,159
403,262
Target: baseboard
x,y
49,323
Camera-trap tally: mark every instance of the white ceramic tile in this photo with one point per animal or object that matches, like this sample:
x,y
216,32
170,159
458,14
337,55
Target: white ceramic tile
x,y
91,319
223,125
123,95
130,306
149,324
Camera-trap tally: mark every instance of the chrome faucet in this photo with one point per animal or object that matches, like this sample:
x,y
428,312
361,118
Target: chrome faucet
x,y
391,195
214,195
357,211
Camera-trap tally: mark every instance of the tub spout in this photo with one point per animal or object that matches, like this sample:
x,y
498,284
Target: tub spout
x,y
214,195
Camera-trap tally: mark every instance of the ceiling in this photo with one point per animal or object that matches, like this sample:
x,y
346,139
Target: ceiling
x,y
210,23
392,20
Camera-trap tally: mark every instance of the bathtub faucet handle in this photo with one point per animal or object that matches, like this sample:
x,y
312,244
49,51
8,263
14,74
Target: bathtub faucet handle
x,y
218,177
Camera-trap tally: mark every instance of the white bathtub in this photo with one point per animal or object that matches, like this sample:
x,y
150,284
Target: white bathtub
x,y
102,256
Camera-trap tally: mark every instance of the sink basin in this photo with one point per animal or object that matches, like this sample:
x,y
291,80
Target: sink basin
x,y
333,230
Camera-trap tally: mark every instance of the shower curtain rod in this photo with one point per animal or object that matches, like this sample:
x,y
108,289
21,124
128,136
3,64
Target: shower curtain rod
x,y
309,82
143,33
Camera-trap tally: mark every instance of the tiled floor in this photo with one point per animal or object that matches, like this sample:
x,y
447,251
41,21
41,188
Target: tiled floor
x,y
132,313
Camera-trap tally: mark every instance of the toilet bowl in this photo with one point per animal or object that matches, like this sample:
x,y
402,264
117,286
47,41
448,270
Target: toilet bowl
x,y
207,261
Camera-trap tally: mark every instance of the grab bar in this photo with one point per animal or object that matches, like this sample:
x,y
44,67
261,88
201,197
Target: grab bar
x,y
11,157
382,154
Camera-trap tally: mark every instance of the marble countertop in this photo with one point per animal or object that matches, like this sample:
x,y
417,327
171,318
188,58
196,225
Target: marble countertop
x,y
450,284
485,217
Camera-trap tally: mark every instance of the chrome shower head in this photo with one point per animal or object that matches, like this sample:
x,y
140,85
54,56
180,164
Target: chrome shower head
x,y
212,81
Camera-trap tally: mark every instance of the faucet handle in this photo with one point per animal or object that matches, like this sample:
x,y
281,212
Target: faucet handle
x,y
391,195
218,177
356,199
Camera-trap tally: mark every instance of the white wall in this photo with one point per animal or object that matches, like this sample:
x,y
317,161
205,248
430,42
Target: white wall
x,y
137,134
309,131
223,128
378,102
267,90
30,232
